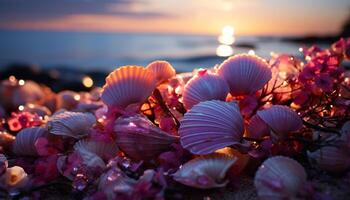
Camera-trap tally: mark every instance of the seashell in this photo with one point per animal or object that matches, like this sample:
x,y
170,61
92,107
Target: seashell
x,y
6,140
204,88
115,181
29,92
67,100
72,124
128,85
331,158
162,70
14,177
257,128
280,177
37,109
105,150
91,159
211,125
245,74
24,145
3,164
140,139
205,172
241,162
281,119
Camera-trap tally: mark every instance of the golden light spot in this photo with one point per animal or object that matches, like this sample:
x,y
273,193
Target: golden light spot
x,y
228,30
12,78
301,49
87,82
76,97
251,52
21,108
224,50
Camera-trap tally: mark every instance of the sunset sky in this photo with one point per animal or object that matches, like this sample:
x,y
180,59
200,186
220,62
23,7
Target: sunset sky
x,y
252,17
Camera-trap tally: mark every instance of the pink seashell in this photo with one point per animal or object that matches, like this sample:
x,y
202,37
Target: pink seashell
x,y
211,125
115,181
204,88
24,145
280,177
162,70
71,124
140,139
281,119
257,128
205,172
128,85
245,74
105,150
67,100
331,158
30,92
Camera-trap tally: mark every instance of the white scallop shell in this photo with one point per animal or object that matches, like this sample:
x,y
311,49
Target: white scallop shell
x,y
162,70
128,85
279,177
281,119
72,124
205,172
204,88
140,139
331,158
24,144
245,74
105,150
211,125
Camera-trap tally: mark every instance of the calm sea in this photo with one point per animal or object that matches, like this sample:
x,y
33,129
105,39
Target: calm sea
x,y
106,51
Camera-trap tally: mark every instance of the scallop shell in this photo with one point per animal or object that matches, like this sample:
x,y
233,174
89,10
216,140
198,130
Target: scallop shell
x,y
140,139
37,109
162,70
257,128
72,124
211,125
279,177
91,159
67,100
204,88
128,85
330,158
281,119
115,181
245,74
24,145
105,150
205,172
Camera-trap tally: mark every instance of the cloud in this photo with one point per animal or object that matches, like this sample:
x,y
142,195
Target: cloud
x,y
17,10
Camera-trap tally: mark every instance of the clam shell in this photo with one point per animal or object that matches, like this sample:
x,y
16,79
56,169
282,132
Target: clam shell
x,y
72,124
330,158
279,177
67,100
281,119
115,181
257,128
128,85
162,70
24,144
105,150
205,172
211,125
245,74
204,88
140,139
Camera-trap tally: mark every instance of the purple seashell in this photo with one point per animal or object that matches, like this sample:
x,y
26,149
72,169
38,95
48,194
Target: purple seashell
x,y
205,172
245,74
128,85
280,177
204,88
211,125
257,128
105,150
67,100
162,70
140,139
24,144
281,119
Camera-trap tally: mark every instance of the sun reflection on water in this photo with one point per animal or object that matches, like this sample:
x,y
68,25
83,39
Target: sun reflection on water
x,y
226,39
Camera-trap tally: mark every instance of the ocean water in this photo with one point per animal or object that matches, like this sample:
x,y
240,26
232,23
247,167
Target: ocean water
x,y
106,51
